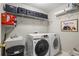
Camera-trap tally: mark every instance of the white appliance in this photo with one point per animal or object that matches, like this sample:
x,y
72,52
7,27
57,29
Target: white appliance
x,y
37,44
55,44
13,41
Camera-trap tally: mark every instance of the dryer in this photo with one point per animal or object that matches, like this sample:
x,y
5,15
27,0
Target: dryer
x,y
38,44
55,44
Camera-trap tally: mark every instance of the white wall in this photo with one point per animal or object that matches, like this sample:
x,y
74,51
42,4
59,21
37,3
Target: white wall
x,y
69,40
26,26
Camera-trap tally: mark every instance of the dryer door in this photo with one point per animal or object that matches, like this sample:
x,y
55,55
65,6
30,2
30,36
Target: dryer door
x,y
42,47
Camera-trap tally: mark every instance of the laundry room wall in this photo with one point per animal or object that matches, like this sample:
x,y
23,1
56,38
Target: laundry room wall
x,y
27,25
69,40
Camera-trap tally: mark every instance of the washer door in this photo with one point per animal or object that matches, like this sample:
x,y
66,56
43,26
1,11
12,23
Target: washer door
x,y
42,47
55,43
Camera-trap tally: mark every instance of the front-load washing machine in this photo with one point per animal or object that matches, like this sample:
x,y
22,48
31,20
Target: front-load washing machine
x,y
38,44
55,44
14,41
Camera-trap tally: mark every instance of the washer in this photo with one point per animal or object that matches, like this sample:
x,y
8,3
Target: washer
x,y
38,44
55,44
13,41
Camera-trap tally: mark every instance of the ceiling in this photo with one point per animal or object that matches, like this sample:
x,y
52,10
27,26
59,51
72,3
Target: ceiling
x,y
47,7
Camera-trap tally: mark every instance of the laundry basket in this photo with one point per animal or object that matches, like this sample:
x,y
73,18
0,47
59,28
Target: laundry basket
x,y
17,50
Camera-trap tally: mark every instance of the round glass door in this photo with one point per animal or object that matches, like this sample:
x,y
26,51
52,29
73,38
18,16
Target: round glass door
x,y
41,47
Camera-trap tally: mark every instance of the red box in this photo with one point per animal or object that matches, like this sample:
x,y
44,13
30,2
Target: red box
x,y
8,19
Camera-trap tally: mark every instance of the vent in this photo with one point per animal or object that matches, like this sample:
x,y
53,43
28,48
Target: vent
x,y
71,7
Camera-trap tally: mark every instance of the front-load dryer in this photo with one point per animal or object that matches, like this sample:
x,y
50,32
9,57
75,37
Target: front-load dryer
x,y
38,44
55,44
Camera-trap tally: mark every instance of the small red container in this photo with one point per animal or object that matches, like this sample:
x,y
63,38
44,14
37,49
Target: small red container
x,y
8,19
